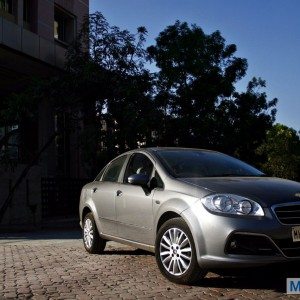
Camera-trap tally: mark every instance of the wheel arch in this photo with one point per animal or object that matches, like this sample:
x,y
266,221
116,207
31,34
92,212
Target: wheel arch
x,y
89,206
178,208
169,209
85,211
168,215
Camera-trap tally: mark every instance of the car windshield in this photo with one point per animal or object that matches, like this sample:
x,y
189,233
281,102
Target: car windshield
x,y
201,163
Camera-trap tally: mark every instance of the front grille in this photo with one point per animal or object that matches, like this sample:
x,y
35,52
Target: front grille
x,y
288,214
288,247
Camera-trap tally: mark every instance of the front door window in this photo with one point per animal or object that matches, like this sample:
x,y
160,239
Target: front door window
x,y
138,164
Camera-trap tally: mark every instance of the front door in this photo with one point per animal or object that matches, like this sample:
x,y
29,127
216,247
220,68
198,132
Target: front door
x,y
134,204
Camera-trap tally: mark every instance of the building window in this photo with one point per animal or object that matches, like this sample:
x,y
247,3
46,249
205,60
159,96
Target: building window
x,y
7,6
10,150
64,26
26,11
30,14
7,9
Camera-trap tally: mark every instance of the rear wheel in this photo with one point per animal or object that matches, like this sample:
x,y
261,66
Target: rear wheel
x,y
175,253
92,241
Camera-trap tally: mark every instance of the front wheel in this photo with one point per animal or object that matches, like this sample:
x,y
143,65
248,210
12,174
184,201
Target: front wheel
x,y
175,253
92,241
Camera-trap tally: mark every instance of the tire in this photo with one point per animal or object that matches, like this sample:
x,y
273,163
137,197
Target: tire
x,y
92,241
175,253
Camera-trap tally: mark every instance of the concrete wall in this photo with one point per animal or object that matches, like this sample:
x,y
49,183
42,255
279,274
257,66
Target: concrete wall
x,y
31,44
39,42
45,19
33,51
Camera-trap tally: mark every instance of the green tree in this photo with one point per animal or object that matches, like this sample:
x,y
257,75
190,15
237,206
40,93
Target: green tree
x,y
195,91
243,121
111,82
196,71
282,152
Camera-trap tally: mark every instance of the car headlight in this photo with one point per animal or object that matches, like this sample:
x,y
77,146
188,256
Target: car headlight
x,y
232,204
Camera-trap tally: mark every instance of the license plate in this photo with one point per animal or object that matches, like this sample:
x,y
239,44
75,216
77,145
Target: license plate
x,y
296,234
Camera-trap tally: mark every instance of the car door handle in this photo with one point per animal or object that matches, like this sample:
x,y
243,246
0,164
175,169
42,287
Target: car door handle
x,y
95,190
119,193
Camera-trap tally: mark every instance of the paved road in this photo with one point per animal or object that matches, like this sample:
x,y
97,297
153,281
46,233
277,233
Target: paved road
x,y
54,265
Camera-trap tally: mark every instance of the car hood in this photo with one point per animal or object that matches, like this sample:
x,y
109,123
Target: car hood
x,y
265,190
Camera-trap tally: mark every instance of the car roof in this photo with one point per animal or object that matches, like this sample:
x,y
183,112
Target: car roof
x,y
157,149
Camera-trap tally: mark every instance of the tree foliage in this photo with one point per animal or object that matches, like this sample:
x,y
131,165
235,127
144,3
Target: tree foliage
x,y
195,71
191,100
282,152
118,85
244,120
196,92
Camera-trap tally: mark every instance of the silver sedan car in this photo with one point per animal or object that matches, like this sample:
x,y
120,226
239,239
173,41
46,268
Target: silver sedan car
x,y
197,210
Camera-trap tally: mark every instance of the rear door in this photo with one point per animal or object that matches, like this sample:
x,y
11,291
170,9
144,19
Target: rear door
x,y
104,195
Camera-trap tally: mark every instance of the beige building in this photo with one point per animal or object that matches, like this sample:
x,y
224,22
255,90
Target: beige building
x,y
34,36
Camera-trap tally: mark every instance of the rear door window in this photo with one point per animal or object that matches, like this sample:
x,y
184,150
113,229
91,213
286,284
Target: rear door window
x,y
112,173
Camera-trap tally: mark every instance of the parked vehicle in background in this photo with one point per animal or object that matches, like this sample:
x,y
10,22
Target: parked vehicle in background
x,y
197,210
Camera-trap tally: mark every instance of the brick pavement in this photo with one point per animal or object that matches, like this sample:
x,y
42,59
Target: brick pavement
x,y
54,265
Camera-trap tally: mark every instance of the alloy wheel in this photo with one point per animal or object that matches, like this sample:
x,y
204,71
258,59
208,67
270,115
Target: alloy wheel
x,y
175,251
88,233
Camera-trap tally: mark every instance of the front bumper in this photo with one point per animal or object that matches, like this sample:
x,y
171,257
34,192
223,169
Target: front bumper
x,y
239,241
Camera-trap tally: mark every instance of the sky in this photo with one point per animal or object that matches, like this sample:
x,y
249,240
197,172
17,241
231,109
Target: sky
x,y
266,32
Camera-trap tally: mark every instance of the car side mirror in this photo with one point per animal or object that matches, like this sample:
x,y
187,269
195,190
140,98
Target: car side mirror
x,y
138,179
